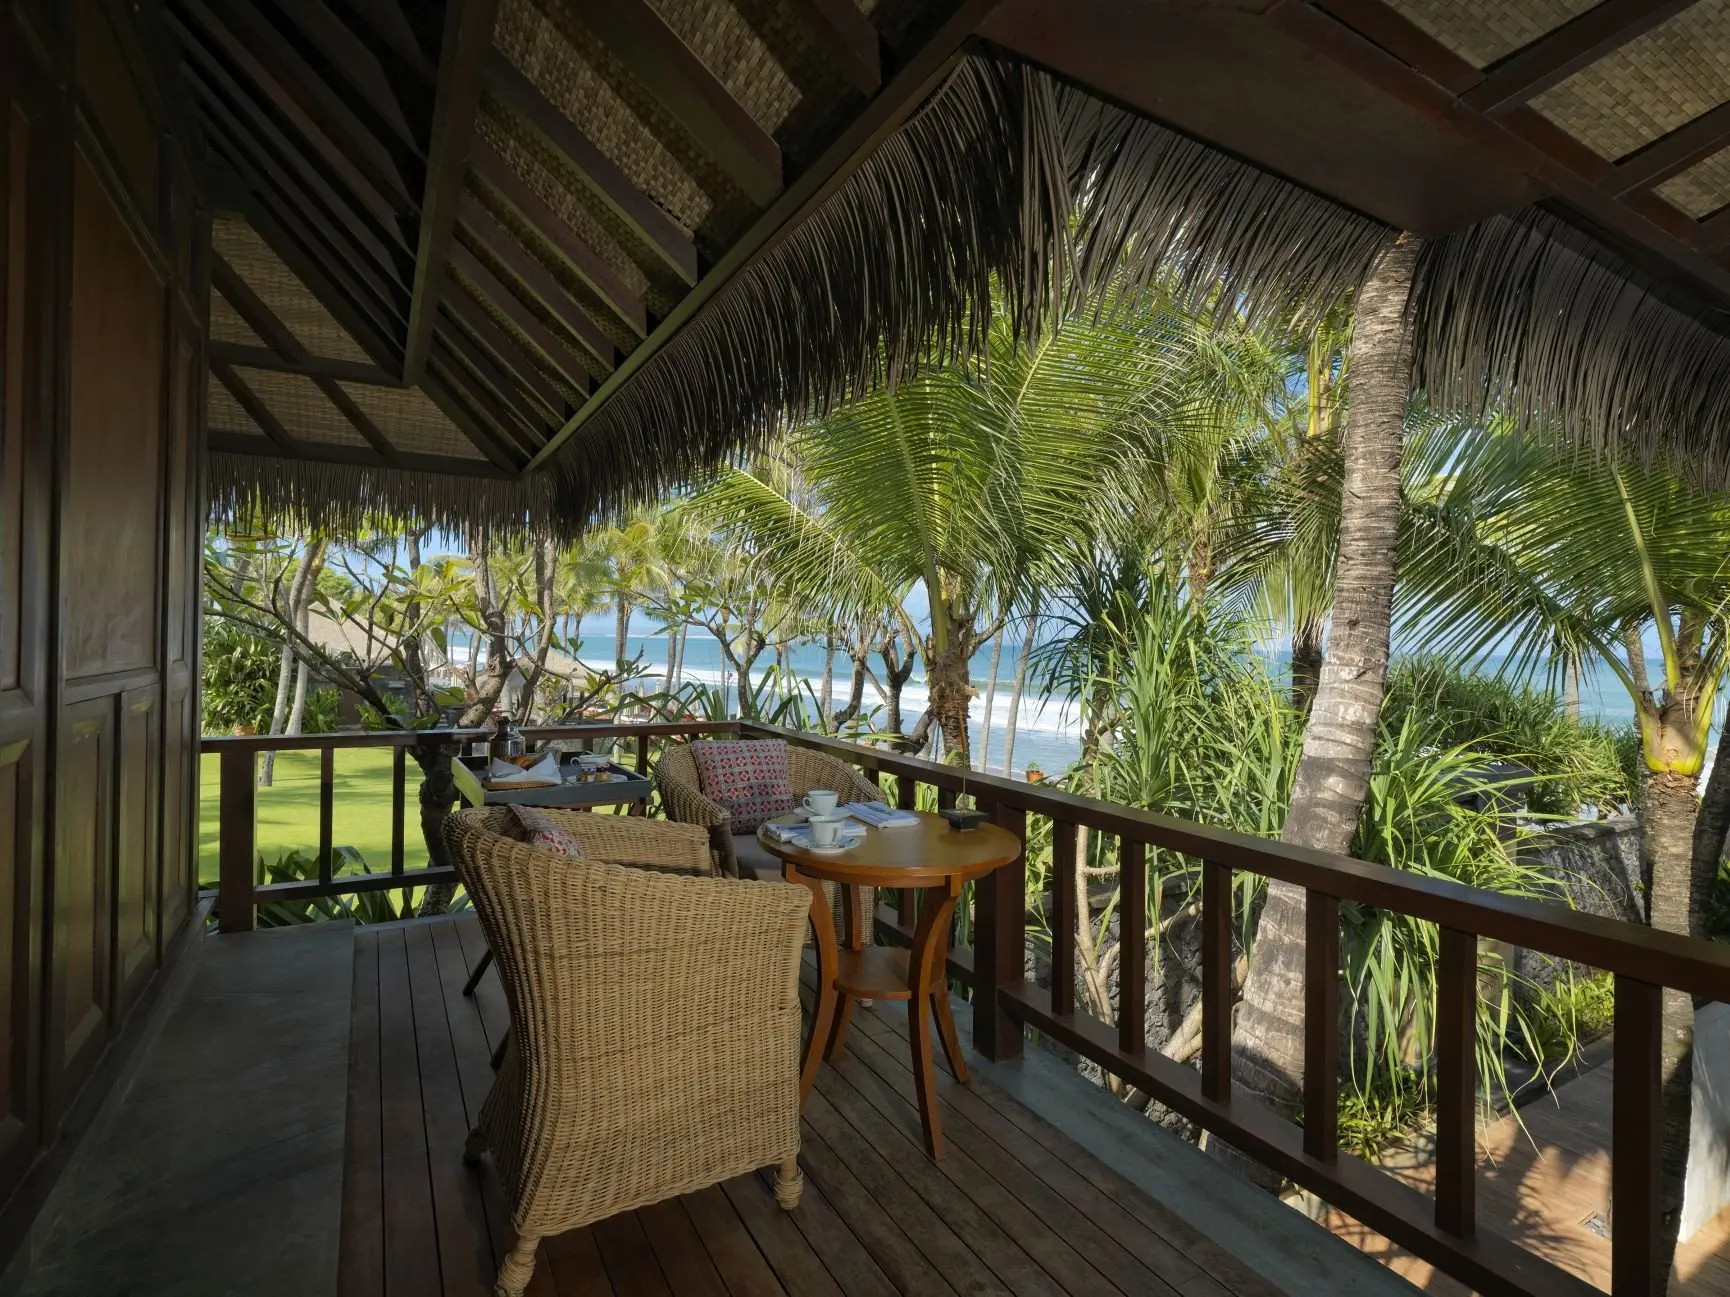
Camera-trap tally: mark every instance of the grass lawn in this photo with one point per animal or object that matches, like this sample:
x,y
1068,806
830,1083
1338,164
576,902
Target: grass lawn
x,y
288,809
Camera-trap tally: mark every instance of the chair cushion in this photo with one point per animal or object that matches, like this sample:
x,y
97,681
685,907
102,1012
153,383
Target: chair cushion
x,y
748,777
754,858
538,829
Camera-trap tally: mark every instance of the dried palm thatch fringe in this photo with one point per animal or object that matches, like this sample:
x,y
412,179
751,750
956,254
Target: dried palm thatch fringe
x,y
1011,176
1522,313
348,499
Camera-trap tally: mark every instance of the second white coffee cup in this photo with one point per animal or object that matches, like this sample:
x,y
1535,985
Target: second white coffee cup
x,y
820,801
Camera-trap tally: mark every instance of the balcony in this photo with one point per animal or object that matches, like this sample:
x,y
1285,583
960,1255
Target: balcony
x,y
1050,1183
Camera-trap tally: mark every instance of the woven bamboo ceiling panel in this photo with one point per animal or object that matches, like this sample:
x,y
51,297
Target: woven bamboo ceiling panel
x,y
238,244
411,420
1650,86
1483,31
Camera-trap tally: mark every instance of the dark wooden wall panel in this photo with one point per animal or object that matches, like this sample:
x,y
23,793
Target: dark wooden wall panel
x,y
114,494
82,880
103,251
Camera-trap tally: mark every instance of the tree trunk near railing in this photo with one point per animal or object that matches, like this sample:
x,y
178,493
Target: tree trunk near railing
x,y
1014,718
300,593
990,702
1339,739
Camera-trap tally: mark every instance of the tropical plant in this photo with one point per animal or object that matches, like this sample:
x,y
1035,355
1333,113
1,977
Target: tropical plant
x,y
240,668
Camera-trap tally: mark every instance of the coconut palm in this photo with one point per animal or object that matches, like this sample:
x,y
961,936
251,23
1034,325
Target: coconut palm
x,y
1569,558
963,480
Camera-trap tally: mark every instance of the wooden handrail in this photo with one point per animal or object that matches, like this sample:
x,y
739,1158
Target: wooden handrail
x,y
1699,967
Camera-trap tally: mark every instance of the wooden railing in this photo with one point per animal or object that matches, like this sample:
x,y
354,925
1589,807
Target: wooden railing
x,y
239,893
1442,1230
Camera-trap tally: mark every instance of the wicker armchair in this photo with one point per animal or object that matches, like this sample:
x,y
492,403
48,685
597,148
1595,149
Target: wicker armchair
x,y
655,1029
741,855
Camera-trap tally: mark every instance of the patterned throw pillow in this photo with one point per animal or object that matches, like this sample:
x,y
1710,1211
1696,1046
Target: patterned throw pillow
x,y
747,776
539,829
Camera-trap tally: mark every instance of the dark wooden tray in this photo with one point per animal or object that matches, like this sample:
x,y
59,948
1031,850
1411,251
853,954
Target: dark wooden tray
x,y
467,773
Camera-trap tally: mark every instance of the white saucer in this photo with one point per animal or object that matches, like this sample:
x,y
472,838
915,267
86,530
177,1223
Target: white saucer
x,y
835,850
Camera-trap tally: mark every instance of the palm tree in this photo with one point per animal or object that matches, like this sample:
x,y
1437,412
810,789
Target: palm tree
x,y
960,481
1571,558
1339,740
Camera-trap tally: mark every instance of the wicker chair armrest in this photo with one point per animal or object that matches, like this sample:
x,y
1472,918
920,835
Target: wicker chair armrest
x,y
627,840
686,803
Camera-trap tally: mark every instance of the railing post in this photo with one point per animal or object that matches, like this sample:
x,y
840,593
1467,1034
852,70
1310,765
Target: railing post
x,y
1064,917
1322,1026
1216,988
1457,1082
1636,1139
237,840
1132,947
999,944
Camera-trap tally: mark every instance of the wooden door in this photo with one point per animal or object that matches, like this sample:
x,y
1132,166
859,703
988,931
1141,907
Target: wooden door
x,y
81,884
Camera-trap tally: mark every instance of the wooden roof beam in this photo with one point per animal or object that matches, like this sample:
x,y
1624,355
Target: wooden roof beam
x,y
456,408
1671,154
260,413
241,443
659,233
473,318
564,361
355,63
347,371
497,398
693,96
848,36
540,281
468,35
1551,59
601,279
267,325
299,94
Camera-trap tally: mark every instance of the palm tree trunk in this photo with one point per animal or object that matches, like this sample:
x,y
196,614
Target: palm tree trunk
x,y
826,698
1306,663
990,701
679,661
1339,739
622,627
1014,718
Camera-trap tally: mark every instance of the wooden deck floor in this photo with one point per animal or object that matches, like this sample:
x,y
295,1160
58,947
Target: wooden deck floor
x,y
1014,1207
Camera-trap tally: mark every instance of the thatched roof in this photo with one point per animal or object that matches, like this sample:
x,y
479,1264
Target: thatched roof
x,y
516,263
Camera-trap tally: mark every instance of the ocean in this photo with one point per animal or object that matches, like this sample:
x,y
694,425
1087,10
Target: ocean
x,y
1046,729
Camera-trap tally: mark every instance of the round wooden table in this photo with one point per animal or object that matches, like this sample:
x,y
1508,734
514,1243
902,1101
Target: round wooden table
x,y
932,858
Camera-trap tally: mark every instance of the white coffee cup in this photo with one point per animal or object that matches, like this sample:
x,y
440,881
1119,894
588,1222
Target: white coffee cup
x,y
826,830
820,801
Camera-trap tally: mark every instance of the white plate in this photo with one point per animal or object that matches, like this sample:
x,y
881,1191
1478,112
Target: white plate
x,y
835,850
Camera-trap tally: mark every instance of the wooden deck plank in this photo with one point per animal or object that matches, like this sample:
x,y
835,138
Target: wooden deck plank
x,y
905,1266
735,1255
684,1259
573,1262
940,1245
629,1258
361,1273
464,1242
1014,1208
1129,1211
410,1228
848,1261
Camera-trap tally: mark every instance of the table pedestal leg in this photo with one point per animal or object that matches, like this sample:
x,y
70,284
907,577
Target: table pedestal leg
x,y
823,933
853,919
940,1007
928,973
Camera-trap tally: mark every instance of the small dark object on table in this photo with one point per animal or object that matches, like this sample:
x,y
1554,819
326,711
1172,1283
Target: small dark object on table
x,y
961,820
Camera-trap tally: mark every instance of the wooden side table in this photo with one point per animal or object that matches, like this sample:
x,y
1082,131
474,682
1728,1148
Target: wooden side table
x,y
932,858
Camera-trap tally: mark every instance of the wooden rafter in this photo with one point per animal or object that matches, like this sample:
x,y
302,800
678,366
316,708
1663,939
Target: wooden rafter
x,y
278,337
921,74
472,317
247,356
299,95
651,51
600,278
1554,58
1671,154
341,233
480,434
355,63
241,443
564,361
848,36
260,413
540,282
484,385
468,35
657,231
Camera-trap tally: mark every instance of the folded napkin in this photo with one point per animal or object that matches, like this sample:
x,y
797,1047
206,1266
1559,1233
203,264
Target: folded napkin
x,y
544,771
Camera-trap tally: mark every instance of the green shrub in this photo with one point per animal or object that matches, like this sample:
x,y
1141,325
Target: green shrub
x,y
240,672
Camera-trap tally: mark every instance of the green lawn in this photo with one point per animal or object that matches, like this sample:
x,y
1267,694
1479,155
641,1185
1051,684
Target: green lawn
x,y
288,809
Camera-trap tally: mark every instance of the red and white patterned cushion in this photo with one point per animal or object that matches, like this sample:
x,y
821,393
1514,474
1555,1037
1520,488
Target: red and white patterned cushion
x,y
747,776
540,830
